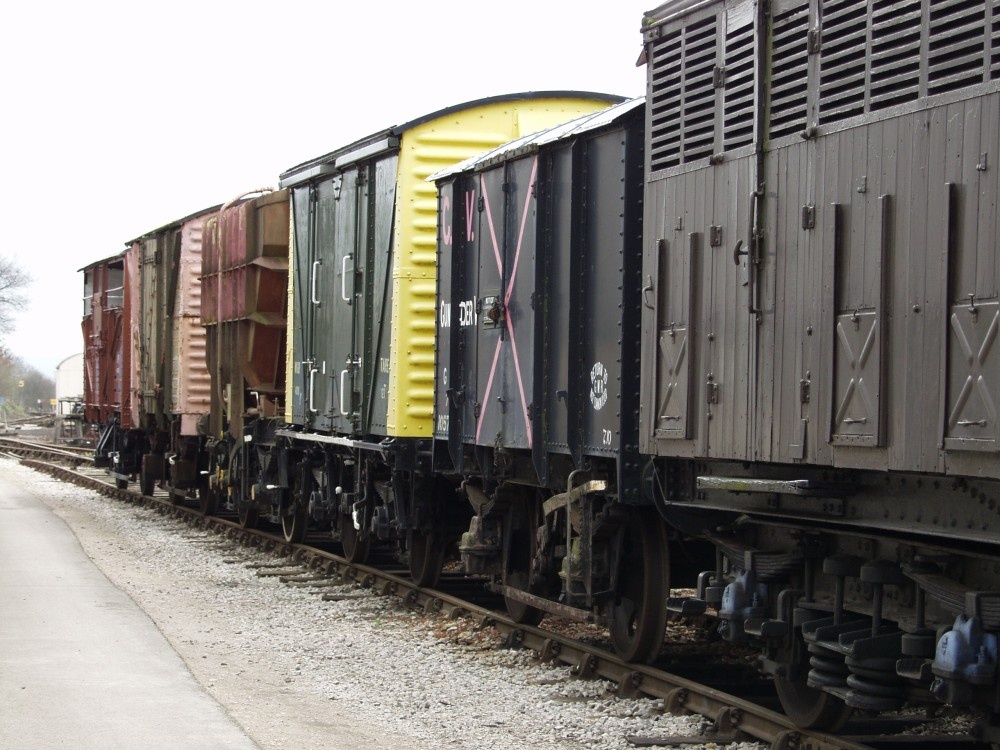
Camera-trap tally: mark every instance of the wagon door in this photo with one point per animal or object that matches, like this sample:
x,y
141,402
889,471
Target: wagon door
x,y
318,327
458,279
151,337
518,302
371,301
490,240
341,333
303,208
702,269
793,216
506,300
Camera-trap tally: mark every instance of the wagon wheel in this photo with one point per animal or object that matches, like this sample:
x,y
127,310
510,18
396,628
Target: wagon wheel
x,y
208,501
208,498
519,548
808,707
294,519
246,509
638,611
355,547
146,481
248,513
426,553
121,484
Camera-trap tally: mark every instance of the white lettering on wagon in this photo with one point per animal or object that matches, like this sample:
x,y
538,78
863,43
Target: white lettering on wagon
x,y
598,386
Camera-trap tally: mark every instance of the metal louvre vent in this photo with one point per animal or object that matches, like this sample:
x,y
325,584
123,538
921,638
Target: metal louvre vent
x,y
665,102
895,55
739,93
699,89
789,72
842,60
995,57
956,44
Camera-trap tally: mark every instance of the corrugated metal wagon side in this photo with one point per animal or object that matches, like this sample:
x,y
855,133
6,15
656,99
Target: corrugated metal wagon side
x,y
362,381
173,382
107,346
244,282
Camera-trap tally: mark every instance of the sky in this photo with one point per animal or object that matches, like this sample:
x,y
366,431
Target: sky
x,y
122,117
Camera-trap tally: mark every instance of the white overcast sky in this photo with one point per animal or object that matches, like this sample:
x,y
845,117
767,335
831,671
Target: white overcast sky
x,y
120,117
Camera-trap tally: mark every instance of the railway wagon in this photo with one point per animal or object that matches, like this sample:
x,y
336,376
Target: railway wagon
x,y
69,401
820,376
157,437
107,355
244,276
537,374
356,450
104,337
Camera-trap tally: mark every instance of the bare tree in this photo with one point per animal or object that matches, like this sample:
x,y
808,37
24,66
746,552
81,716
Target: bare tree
x,y
13,279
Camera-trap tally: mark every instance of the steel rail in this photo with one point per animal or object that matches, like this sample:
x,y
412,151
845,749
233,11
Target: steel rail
x,y
735,718
26,448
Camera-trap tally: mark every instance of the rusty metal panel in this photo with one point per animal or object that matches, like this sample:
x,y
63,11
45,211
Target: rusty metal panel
x,y
190,385
151,316
104,339
247,244
131,404
172,377
189,372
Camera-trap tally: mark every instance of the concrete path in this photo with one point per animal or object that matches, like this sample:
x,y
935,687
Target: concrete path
x,y
81,666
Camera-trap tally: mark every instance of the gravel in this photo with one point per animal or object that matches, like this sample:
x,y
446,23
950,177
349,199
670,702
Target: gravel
x,y
296,671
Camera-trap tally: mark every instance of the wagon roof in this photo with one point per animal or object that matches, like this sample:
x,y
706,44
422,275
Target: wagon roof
x,y
175,223
386,139
673,9
102,261
532,142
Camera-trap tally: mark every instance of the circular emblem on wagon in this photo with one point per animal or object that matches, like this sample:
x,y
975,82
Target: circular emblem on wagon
x,y
598,386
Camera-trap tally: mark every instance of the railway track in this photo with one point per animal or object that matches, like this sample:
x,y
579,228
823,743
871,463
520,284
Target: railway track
x,y
36,449
731,718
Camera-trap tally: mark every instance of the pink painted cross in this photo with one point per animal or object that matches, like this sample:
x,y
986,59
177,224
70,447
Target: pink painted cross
x,y
506,301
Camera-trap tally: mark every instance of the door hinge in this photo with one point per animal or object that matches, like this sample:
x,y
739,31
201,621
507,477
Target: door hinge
x,y
814,41
804,390
809,217
711,390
